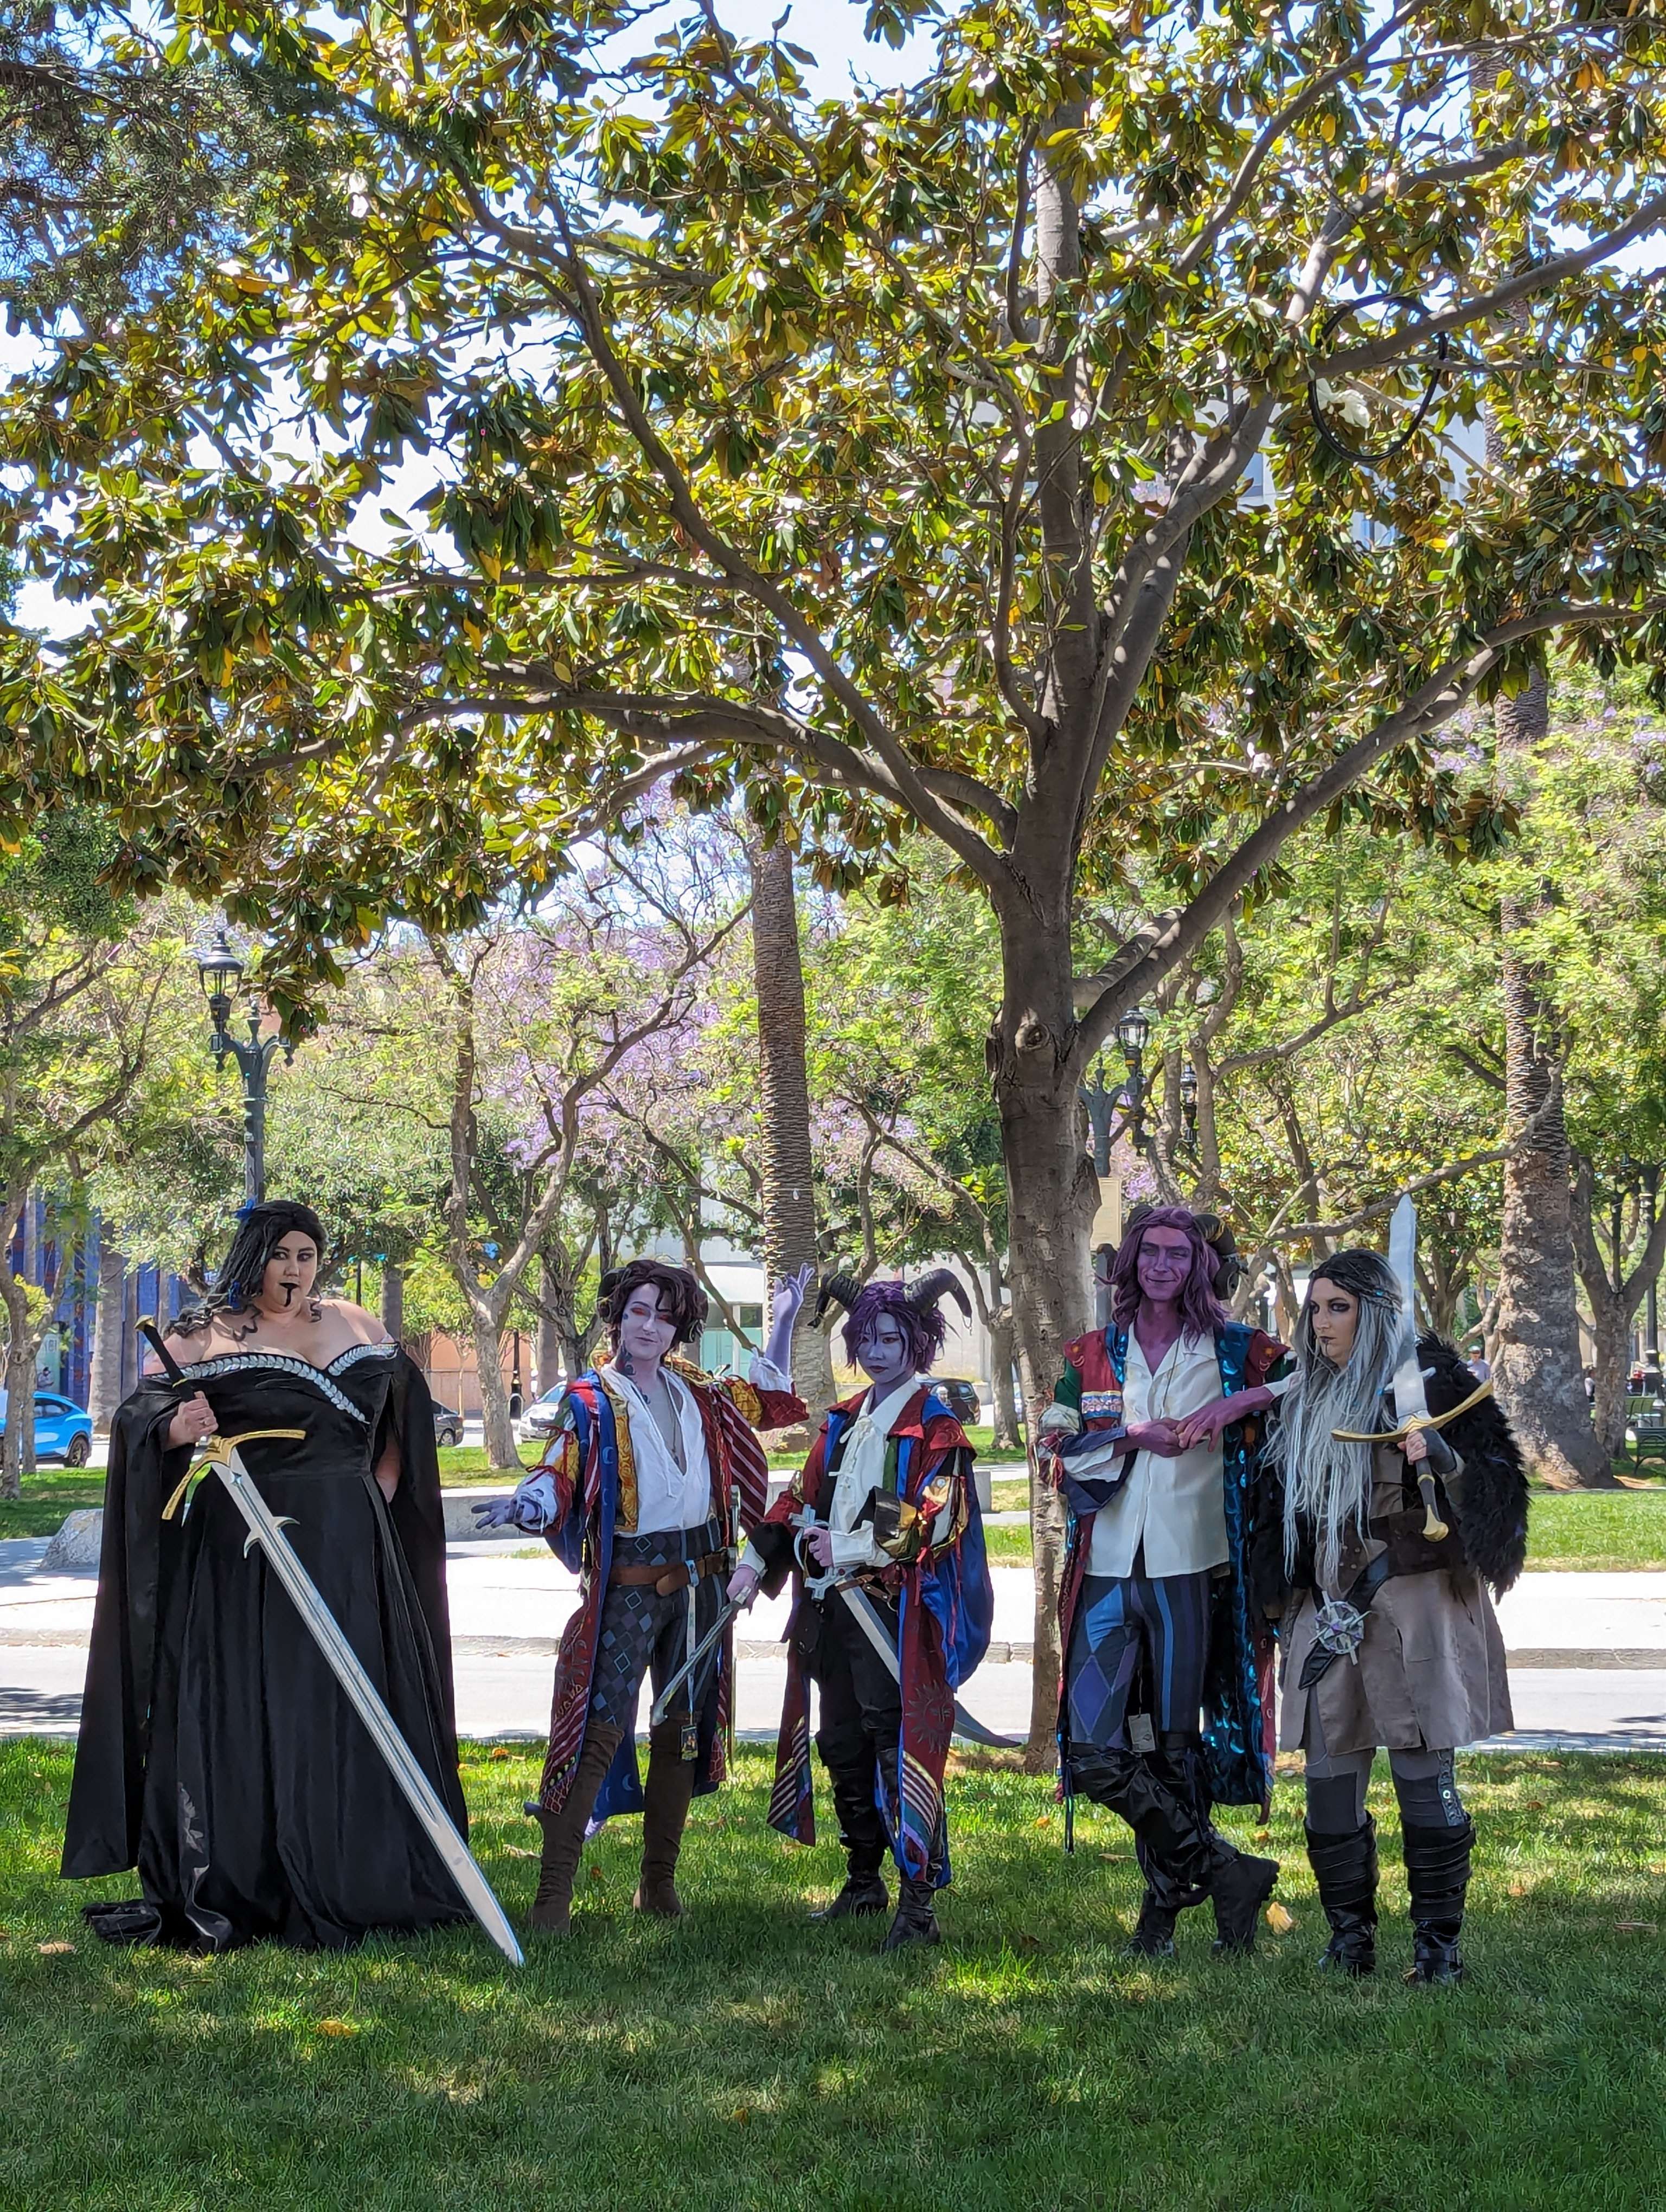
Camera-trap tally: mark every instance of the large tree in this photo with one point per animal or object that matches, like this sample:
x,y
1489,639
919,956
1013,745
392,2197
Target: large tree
x,y
945,395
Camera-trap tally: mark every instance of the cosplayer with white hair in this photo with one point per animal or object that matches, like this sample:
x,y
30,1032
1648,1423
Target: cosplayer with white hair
x,y
1380,1594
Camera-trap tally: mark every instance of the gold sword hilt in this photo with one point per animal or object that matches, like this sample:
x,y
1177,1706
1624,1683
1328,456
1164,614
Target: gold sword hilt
x,y
1434,1528
215,1455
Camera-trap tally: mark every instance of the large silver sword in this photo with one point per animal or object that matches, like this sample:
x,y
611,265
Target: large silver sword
x,y
222,1455
1410,1400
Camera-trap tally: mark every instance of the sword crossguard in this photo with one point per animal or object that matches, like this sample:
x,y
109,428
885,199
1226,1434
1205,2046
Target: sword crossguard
x,y
218,1453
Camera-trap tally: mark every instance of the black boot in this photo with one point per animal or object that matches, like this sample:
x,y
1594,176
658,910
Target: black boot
x,y
1173,1853
916,1922
1437,1876
1238,1883
1345,1868
864,1892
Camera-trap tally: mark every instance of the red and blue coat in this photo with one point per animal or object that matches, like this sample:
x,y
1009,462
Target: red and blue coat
x,y
595,1472
1240,1727
944,1610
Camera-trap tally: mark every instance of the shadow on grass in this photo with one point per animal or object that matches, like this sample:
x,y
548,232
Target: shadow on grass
x,y
745,2058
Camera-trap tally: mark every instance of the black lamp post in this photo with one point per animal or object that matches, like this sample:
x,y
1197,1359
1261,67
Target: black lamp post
x,y
1188,1102
220,967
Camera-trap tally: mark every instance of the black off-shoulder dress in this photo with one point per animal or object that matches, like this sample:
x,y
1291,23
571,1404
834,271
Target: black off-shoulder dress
x,y
218,1754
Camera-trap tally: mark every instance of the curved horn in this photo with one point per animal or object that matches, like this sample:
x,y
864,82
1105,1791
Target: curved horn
x,y
836,1290
931,1288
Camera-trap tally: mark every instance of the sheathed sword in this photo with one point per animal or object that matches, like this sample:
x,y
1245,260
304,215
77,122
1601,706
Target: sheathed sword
x,y
266,1530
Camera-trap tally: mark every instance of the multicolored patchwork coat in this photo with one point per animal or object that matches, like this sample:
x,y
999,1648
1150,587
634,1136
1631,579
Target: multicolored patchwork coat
x,y
1240,1734
946,1607
595,1481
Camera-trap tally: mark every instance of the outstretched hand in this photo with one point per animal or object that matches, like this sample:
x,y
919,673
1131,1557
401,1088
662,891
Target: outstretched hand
x,y
790,1294
494,1512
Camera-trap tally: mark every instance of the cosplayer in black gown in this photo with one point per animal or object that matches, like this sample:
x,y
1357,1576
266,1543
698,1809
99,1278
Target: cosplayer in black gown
x,y
217,1752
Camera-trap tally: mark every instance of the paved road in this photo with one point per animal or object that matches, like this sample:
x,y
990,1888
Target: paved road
x,y
1587,1651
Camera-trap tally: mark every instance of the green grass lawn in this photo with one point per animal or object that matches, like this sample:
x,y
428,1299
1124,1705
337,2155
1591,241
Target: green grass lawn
x,y
48,1494
743,2059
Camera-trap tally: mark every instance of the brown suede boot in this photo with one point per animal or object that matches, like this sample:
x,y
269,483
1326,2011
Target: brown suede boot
x,y
667,1793
563,1832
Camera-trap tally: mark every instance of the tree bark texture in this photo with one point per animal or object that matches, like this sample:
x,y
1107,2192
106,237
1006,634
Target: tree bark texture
x,y
1536,1356
547,1350
394,1300
109,1337
789,1193
1052,1192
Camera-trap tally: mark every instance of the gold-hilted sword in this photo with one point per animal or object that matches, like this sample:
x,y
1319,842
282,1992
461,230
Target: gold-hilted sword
x,y
220,1456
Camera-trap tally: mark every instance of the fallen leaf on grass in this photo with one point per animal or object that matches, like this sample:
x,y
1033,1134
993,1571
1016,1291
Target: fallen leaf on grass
x,y
741,2115
53,1950
499,1751
1518,1889
1044,1821
336,2028
596,1874
1637,1927
1278,1919
519,1851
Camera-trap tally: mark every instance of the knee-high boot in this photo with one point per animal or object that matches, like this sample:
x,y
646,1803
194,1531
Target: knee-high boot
x,y
563,1832
1172,1850
667,1795
1345,1868
1239,1883
1437,1876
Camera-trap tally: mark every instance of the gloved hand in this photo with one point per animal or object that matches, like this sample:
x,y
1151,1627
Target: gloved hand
x,y
496,1512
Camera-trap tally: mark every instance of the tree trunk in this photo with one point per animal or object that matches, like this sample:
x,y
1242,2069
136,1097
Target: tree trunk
x,y
789,1193
1052,1192
547,1351
17,1454
1536,1360
500,1437
109,1336
394,1300
1611,1338
1003,1397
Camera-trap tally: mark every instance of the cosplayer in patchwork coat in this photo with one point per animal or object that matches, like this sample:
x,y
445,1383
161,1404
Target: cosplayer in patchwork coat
x,y
881,1536
1167,1702
643,1493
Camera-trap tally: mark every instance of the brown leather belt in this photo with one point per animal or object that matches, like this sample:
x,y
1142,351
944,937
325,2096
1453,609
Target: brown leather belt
x,y
668,1576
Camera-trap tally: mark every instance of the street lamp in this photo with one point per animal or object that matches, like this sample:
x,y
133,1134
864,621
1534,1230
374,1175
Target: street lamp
x,y
220,966
1188,1102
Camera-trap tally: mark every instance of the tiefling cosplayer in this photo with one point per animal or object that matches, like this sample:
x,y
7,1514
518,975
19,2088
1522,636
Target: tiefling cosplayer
x,y
1166,1703
642,1493
1388,1634
881,1536
217,1752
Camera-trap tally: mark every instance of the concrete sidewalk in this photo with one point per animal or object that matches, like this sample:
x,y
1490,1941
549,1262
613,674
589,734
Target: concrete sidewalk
x,y
1587,1652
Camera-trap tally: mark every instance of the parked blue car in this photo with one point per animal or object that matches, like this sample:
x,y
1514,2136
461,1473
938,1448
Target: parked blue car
x,y
63,1429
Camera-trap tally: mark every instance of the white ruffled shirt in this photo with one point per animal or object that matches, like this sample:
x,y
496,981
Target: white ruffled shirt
x,y
862,1471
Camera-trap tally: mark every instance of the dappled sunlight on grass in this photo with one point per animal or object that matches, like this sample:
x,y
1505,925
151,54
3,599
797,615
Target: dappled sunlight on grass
x,y
743,2059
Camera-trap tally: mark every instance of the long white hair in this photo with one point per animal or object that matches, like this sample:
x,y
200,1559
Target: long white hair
x,y
1327,1484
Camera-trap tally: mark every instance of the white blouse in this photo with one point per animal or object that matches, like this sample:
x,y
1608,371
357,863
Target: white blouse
x,y
1176,1507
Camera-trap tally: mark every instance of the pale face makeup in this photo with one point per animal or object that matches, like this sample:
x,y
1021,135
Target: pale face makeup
x,y
290,1273
1335,1317
646,1331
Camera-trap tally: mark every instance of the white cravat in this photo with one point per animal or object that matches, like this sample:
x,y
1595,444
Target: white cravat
x,y
667,1496
862,1471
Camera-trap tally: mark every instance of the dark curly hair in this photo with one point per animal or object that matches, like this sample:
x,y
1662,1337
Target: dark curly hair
x,y
681,1297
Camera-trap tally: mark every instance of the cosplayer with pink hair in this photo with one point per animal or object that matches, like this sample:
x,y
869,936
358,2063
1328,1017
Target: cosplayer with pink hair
x,y
1166,1704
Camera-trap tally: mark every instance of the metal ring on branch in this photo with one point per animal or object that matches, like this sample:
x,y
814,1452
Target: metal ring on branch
x,y
1396,446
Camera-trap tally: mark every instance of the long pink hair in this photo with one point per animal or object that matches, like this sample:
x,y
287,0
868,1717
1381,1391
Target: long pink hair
x,y
1202,1312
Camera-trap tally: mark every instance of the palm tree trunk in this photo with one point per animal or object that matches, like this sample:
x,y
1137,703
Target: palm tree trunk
x,y
789,1196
